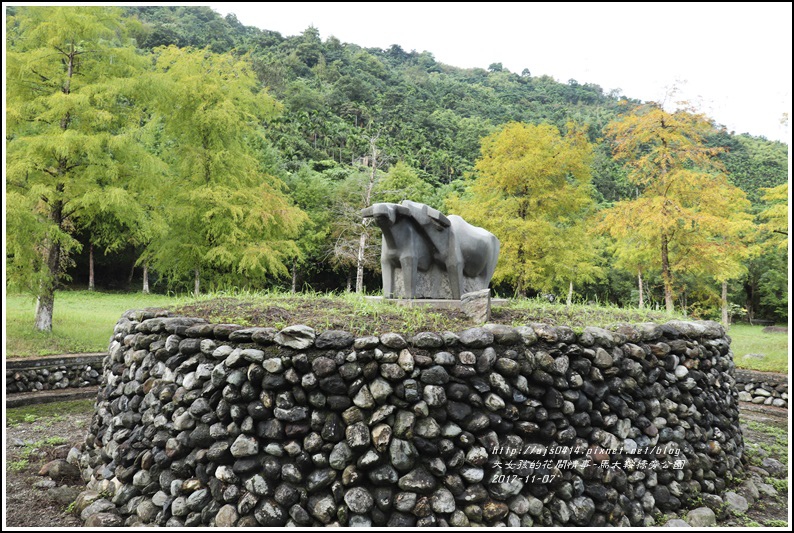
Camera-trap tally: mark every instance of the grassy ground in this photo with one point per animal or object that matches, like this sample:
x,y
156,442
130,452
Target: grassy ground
x,y
47,413
746,339
82,322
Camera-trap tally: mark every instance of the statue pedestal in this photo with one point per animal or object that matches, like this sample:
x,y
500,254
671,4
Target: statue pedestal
x,y
434,303
432,284
477,305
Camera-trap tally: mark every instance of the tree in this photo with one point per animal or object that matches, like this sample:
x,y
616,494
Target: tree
x,y
226,211
71,130
773,287
686,210
313,193
776,215
112,218
347,227
375,158
532,191
400,183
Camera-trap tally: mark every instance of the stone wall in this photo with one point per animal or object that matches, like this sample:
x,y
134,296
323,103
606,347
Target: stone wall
x,y
762,388
53,373
218,425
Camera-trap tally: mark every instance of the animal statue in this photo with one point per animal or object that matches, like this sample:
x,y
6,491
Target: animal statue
x,y
418,240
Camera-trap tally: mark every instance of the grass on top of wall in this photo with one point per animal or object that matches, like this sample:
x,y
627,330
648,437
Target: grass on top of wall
x,y
369,316
83,320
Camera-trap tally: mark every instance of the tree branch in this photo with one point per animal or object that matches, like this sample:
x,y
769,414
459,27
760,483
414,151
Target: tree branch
x,y
42,76
52,173
68,214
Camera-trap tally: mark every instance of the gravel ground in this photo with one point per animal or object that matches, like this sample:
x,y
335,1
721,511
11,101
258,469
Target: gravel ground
x,y
27,505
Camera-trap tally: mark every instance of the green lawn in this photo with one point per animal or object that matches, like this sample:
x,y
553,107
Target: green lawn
x,y
746,339
83,321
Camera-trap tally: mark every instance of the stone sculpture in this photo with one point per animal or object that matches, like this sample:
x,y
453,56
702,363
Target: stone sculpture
x,y
426,254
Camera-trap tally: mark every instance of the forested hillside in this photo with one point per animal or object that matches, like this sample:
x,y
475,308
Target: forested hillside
x,y
169,148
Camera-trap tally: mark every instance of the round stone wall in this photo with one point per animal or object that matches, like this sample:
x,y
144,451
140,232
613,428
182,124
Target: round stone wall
x,y
219,425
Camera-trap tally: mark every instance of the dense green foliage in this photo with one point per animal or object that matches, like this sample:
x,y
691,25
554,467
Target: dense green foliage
x,y
208,150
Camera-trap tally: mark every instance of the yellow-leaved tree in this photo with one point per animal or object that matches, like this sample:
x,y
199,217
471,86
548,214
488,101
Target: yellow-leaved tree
x,y
533,191
687,217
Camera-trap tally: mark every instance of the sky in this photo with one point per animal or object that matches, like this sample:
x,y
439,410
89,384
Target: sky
x,y
732,61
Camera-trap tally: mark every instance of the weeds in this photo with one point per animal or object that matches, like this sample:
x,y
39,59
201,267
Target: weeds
x,y
744,520
778,448
780,485
19,465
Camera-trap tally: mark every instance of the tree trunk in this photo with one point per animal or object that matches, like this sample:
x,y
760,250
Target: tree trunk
x,y
360,263
570,294
373,144
639,284
294,276
349,282
45,300
145,278
91,267
751,302
667,277
44,307
725,317
196,283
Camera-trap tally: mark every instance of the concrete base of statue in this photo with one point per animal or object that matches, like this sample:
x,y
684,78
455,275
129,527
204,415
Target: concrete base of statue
x,y
477,305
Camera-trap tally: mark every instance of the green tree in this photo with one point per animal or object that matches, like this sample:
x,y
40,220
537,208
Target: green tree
x,y
313,193
686,210
354,243
112,218
400,183
773,287
227,213
72,127
776,216
533,192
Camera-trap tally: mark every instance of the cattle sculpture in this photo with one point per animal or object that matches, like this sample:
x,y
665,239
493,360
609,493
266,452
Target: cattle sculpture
x,y
437,256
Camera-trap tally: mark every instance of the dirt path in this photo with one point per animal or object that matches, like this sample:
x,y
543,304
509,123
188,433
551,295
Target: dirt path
x,y
764,414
